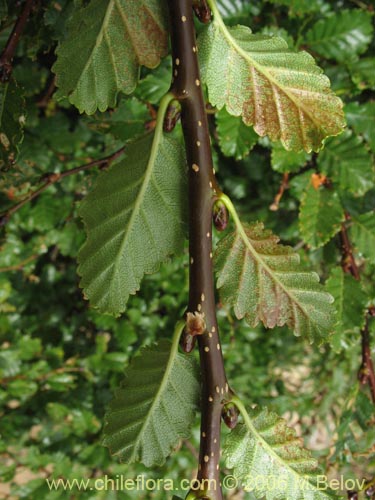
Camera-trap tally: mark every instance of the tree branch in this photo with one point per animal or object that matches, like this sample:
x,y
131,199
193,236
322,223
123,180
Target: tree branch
x,y
7,55
366,373
283,186
20,265
203,190
348,262
46,96
56,177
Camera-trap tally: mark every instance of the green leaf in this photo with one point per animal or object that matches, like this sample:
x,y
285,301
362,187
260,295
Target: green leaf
x,y
340,77
362,72
114,38
134,219
155,406
320,216
281,93
127,121
156,84
350,303
235,138
362,118
237,11
3,9
287,161
7,472
341,36
362,233
346,161
269,459
263,282
12,120
301,7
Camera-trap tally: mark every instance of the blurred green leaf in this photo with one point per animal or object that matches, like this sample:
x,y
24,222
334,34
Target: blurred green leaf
x,y
362,232
341,36
22,389
361,117
350,303
12,120
156,84
301,7
347,162
7,472
287,161
235,138
3,9
125,122
362,72
60,382
320,216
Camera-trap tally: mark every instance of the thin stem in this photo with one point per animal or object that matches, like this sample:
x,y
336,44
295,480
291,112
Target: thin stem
x,y
46,97
20,265
10,48
283,186
203,189
348,262
366,373
56,177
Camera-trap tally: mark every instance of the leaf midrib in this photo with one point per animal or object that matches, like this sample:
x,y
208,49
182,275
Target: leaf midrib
x,y
5,87
261,263
147,179
232,42
98,40
258,437
164,382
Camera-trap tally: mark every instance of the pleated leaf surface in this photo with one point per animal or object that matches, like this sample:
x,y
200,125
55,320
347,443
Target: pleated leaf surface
x,y
155,406
134,219
107,42
262,280
281,93
269,460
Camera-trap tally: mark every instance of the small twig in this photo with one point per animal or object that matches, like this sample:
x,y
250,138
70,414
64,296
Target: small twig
x,y
366,374
46,97
20,265
283,186
56,177
45,376
362,5
191,448
10,48
348,262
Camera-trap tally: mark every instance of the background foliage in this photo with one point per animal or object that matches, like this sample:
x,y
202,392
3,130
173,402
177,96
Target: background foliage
x,y
60,360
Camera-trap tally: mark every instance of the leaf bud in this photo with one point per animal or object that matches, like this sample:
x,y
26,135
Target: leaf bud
x,y
4,219
187,342
230,415
195,324
352,495
202,11
172,116
220,215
